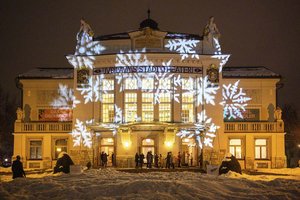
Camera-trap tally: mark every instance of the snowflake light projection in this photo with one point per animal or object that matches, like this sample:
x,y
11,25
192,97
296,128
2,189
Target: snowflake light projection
x,y
66,98
204,131
223,59
81,134
234,101
184,47
91,91
206,91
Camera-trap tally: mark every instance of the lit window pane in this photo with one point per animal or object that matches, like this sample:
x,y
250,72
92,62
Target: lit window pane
x,y
108,112
130,112
147,97
108,98
260,142
187,83
130,84
187,98
165,97
131,97
235,142
108,84
238,152
147,84
232,151
257,152
148,142
147,112
264,152
164,112
187,113
165,83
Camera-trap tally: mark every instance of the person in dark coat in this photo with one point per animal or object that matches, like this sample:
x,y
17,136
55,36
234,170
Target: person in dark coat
x,y
179,159
105,159
168,160
141,159
136,159
230,163
156,160
63,163
17,168
113,159
101,158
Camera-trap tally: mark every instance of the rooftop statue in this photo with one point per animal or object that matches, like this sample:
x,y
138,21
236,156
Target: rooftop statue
x,y
85,33
211,36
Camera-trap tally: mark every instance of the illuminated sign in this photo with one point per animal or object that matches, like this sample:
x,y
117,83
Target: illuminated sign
x,y
147,69
55,115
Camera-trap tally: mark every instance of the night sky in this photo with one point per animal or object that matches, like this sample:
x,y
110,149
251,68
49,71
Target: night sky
x,y
255,32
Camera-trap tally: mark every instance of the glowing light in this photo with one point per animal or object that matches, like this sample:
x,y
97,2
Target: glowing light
x,y
110,140
58,149
234,101
186,140
169,144
184,47
127,144
148,140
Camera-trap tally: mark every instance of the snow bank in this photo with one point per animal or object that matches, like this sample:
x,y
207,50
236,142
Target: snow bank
x,y
112,184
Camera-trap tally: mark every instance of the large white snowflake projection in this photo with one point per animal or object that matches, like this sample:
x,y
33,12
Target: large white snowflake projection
x,y
234,101
217,47
89,47
203,131
91,91
65,99
118,115
185,47
81,135
206,91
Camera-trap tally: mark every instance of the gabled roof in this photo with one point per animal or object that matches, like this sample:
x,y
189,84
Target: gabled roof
x,y
249,72
48,73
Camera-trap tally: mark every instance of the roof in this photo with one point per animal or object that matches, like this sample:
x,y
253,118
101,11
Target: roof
x,y
228,72
249,72
48,73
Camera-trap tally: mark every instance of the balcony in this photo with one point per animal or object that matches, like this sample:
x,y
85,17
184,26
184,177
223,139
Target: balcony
x,y
252,127
34,127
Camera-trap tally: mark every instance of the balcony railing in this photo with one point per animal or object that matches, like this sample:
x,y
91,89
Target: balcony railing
x,y
262,127
43,127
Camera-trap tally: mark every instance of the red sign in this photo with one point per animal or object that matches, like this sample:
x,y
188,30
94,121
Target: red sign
x,y
55,115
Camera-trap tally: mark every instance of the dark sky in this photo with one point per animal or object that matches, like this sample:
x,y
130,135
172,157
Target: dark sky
x,y
255,32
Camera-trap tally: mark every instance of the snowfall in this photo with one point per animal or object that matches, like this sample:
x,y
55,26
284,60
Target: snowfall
x,y
112,183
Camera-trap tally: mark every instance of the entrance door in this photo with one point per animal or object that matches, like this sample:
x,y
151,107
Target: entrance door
x,y
189,152
107,146
148,145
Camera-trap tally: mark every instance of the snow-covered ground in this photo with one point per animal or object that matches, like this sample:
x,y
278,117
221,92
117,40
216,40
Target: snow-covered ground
x,y
113,184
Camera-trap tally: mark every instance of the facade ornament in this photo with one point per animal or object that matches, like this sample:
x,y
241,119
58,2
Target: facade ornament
x,y
19,114
278,114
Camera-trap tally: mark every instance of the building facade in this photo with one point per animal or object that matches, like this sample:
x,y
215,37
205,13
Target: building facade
x,y
149,90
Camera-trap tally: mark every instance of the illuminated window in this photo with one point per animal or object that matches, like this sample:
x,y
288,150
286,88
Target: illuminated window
x,y
35,149
107,141
148,84
108,84
187,113
187,84
165,83
108,112
130,107
165,107
61,145
108,98
131,84
164,112
108,107
147,107
235,148
261,149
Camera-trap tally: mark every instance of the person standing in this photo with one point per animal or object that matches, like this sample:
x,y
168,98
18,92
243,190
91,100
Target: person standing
x,y
17,168
136,159
113,159
160,160
141,160
179,159
150,159
168,160
105,159
156,160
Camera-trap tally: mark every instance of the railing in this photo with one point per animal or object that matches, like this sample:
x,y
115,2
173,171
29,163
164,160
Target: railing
x,y
262,127
43,127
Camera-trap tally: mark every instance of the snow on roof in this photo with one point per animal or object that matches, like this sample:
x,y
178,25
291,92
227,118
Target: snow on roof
x,y
55,73
249,72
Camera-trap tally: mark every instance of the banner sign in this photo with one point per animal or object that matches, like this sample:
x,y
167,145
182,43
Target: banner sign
x,y
250,115
55,115
147,69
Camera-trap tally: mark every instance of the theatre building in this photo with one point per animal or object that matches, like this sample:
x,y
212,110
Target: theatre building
x,y
149,90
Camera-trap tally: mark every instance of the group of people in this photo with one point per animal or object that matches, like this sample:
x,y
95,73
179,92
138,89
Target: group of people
x,y
104,159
